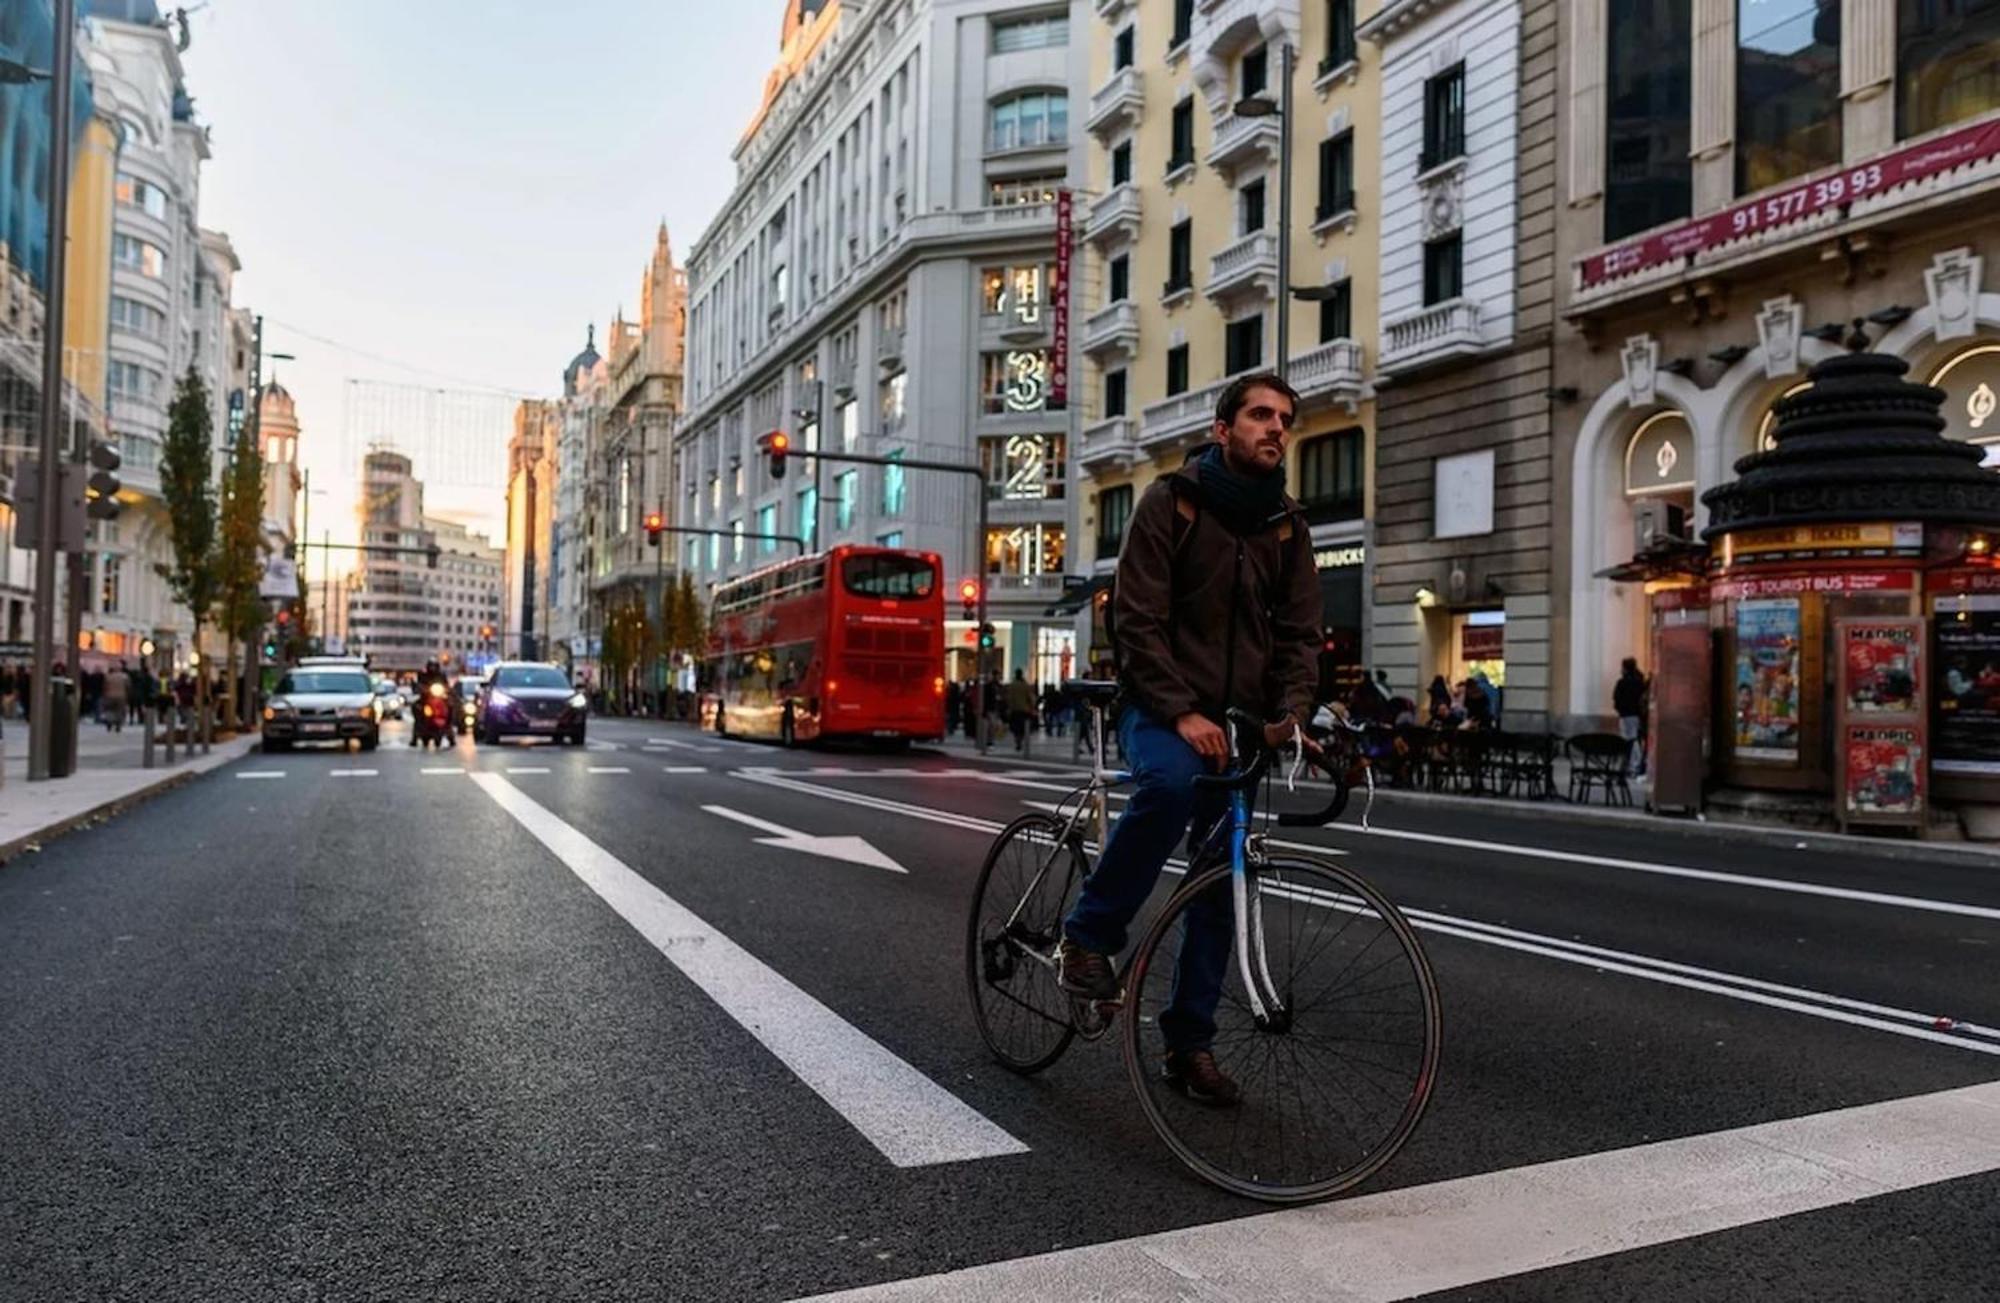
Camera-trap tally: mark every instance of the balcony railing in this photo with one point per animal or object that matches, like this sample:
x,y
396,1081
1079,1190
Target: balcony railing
x,y
1114,216
1175,420
1111,329
1331,371
1113,442
1117,102
1440,330
1240,141
1250,263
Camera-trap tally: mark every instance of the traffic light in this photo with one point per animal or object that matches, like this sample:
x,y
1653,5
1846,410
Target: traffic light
x,y
968,593
102,488
486,633
431,556
987,638
775,445
656,524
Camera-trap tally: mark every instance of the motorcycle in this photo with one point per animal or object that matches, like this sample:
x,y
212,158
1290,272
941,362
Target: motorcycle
x,y
433,723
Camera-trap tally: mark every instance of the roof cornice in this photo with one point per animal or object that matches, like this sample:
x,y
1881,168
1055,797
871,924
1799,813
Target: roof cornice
x,y
1396,17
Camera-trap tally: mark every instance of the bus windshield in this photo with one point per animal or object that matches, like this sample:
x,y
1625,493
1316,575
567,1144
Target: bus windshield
x,y
889,576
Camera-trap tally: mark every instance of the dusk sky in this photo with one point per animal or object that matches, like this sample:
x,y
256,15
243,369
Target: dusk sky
x,y
451,191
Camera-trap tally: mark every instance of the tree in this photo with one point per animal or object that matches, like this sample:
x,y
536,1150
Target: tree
x,y
240,552
688,624
187,469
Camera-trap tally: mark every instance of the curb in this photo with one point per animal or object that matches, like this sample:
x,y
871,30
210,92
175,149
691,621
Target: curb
x,y
9,851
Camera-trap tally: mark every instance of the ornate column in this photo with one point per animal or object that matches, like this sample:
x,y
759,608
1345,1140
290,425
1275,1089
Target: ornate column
x,y
1867,69
1586,102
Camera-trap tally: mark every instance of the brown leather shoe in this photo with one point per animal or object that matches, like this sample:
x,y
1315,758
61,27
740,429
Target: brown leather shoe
x,y
1195,1075
1085,973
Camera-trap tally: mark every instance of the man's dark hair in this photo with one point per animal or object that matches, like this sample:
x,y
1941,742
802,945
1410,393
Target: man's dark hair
x,y
1238,392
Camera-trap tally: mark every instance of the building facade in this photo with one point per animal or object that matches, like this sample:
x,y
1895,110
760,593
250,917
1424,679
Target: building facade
x,y
531,501
1182,292
880,282
465,595
391,616
570,550
1462,581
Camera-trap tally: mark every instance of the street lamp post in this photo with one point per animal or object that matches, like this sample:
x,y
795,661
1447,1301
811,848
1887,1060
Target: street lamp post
x,y
53,284
1262,106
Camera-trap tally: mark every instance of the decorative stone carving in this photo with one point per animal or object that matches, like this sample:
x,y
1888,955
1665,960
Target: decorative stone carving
x,y
1953,282
1336,271
1641,357
1444,203
1778,327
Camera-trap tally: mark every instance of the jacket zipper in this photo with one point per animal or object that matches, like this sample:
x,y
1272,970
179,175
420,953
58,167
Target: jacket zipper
x,y
1229,648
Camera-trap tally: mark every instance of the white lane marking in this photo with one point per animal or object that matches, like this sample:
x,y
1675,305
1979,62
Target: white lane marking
x,y
607,769
1453,1234
684,769
912,1120
1682,871
854,850
530,769
605,746
684,746
770,779
260,773
352,773
443,771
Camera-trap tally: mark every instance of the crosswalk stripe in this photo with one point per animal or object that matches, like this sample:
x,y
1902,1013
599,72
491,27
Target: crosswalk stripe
x,y
911,1119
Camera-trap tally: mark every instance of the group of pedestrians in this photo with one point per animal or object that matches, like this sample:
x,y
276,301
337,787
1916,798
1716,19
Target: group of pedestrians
x,y
1015,705
114,696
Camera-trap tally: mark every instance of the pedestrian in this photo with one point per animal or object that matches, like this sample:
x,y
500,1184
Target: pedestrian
x,y
6,691
1440,700
1492,692
1478,706
117,694
1628,698
1020,709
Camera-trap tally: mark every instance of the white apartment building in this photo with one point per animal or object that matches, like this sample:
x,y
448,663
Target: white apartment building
x,y
465,595
880,282
581,421
390,616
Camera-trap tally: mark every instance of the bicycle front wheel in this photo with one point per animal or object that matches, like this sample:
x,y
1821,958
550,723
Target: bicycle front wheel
x,y
1335,1057
1025,887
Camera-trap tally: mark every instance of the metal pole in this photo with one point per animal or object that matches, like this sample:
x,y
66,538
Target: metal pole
x,y
53,284
1287,57
983,728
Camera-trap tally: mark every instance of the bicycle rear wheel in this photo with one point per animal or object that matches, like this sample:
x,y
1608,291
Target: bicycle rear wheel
x,y
1025,887
1335,1077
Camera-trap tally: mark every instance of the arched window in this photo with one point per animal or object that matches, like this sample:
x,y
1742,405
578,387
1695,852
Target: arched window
x,y
1947,62
1028,121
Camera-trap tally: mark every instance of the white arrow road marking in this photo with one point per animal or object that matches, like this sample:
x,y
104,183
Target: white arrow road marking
x,y
854,850
911,1119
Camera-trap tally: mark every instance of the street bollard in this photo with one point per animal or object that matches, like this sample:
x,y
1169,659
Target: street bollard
x,y
148,717
207,726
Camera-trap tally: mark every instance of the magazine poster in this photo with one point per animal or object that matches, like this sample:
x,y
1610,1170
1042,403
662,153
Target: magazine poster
x,y
1881,664
1966,687
1767,679
1885,770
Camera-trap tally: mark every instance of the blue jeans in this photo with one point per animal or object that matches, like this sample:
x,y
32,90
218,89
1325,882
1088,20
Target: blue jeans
x,y
1163,803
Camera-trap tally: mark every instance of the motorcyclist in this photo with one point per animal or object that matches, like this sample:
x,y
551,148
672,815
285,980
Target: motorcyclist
x,y
431,674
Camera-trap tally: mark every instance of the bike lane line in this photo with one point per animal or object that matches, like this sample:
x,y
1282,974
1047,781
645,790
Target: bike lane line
x,y
912,1120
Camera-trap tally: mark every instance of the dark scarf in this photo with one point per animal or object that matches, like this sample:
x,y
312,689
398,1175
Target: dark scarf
x,y
1243,503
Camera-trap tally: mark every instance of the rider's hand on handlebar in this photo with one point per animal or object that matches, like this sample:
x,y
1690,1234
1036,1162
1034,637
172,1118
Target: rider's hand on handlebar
x,y
1207,739
1280,735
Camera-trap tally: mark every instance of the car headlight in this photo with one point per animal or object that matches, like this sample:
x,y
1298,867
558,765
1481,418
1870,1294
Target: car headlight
x,y
579,701
277,708
498,698
357,712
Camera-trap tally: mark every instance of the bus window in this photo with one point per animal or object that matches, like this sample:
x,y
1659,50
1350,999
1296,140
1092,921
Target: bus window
x,y
890,576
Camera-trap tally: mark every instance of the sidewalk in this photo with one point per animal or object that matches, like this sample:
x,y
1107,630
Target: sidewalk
x,y
110,775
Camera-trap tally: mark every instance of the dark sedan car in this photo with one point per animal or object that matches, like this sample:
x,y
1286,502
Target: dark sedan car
x,y
527,700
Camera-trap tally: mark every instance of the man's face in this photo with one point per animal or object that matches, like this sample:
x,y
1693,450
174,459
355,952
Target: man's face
x,y
1255,441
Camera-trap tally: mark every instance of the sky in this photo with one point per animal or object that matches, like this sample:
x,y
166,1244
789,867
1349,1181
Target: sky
x,y
443,194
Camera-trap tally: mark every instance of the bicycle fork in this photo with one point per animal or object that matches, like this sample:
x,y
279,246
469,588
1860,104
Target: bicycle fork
x,y
1266,1005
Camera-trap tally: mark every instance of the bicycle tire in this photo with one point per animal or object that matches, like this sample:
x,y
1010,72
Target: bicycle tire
x,y
1026,1023
1299,887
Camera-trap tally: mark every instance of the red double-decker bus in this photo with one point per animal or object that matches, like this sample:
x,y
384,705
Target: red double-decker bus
x,y
847,643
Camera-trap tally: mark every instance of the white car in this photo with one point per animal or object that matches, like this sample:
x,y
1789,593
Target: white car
x,y
322,703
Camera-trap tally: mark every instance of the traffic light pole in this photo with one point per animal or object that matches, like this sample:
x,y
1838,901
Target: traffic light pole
x,y
793,539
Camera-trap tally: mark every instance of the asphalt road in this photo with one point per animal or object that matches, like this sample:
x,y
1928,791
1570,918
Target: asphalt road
x,y
536,1023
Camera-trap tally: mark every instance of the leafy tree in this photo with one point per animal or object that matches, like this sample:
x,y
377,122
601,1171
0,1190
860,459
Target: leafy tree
x,y
187,463
240,553
688,626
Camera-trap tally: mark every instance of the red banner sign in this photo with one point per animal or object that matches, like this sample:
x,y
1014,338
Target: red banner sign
x,y
1796,202
1834,583
1059,293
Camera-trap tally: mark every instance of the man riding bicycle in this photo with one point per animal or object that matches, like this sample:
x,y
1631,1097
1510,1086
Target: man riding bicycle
x,y
1217,606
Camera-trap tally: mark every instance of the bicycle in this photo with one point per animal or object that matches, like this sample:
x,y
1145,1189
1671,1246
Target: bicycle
x,y
1319,1019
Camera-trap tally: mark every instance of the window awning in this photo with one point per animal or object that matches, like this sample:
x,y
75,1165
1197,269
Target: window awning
x,y
1078,592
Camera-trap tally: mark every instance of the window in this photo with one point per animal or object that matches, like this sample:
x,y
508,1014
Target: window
x,y
1121,49
890,576
1114,393
1336,177
736,542
894,538
895,391
1177,369
1250,208
808,499
847,417
1243,343
143,195
1256,71
1119,279
1007,193
767,525
1114,512
1183,151
715,551
1180,258
138,318
1025,550
1444,273
1024,467
1029,121
1444,118
1947,62
1013,381
1050,31
848,485
1339,35
1183,24
1336,313
1121,164
1648,176
108,589
894,485
130,380
148,260
1787,89
1330,476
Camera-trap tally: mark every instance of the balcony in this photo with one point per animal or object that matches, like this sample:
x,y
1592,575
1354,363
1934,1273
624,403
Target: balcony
x,y
1112,329
1440,331
1249,266
1242,142
889,349
1180,421
1114,217
1109,445
1109,10
1330,373
1116,103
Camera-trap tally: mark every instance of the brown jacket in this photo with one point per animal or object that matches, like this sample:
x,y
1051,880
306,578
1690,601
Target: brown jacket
x,y
1181,574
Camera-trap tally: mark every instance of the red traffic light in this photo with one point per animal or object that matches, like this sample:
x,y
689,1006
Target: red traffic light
x,y
969,590
655,522
775,445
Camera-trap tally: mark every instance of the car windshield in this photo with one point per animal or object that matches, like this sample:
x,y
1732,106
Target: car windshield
x,y
469,687
307,681
885,575
530,676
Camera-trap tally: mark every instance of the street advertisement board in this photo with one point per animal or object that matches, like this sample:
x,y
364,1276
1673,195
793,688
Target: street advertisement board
x,y
1882,773
1767,680
1059,295
1882,663
1880,766
1965,697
